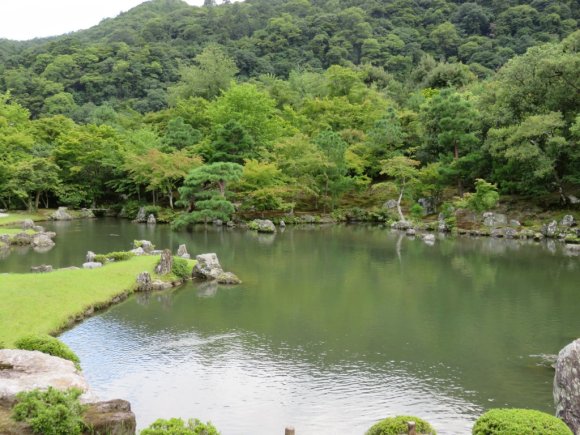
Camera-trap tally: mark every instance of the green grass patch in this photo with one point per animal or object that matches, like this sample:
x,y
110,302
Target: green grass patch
x,y
17,217
33,305
14,231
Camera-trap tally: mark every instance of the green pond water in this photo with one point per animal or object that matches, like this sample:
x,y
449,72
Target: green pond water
x,y
333,328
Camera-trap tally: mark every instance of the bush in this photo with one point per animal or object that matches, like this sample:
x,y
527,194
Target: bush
x,y
180,268
519,422
50,412
176,426
49,345
101,258
119,256
152,209
417,210
398,425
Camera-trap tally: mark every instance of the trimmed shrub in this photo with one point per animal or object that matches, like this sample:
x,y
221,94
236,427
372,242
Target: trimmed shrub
x,y
176,426
180,268
519,422
51,412
119,256
50,345
398,425
101,258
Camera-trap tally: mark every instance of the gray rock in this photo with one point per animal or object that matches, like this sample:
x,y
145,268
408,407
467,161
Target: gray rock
x,y
207,267
390,204
144,282
228,278
230,224
515,223
38,228
218,222
61,214
165,263
573,200
411,232
21,239
401,225
282,224
27,224
550,230
538,237
92,265
138,251
573,246
263,226
24,370
151,219
497,232
567,386
43,268
428,205
428,238
157,252
146,245
141,215
568,221
510,233
491,219
159,285
90,257
86,213
308,219
182,252
42,240
113,417
70,268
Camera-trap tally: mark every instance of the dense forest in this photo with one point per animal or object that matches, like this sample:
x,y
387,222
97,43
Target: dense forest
x,y
278,105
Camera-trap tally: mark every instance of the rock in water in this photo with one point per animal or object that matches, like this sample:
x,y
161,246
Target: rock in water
x,y
42,240
228,278
567,386
112,417
25,370
90,257
182,252
151,220
550,230
141,215
144,282
165,263
207,267
262,226
61,215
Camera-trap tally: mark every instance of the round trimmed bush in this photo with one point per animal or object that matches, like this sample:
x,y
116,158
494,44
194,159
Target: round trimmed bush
x,y
398,425
519,422
50,345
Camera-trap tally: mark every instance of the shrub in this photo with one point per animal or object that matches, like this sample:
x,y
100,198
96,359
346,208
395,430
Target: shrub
x,y
417,210
50,345
398,425
152,209
119,256
519,422
50,412
176,426
180,268
101,258
484,198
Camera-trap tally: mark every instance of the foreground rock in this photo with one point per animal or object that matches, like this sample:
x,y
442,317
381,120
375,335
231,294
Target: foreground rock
x,y
567,386
113,417
165,263
209,268
24,370
61,215
182,252
42,240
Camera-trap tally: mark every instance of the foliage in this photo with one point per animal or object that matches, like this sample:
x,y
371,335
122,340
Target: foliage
x,y
180,268
398,425
47,344
51,412
114,256
484,198
519,421
176,426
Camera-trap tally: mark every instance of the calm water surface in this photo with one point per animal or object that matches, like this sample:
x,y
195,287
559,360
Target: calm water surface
x,y
333,328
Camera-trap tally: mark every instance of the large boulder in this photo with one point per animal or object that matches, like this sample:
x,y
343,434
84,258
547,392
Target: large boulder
x,y
141,215
550,230
61,215
42,240
21,239
144,282
113,417
207,267
567,386
27,224
492,220
182,252
165,263
92,265
262,226
228,278
151,219
86,213
568,221
90,257
25,370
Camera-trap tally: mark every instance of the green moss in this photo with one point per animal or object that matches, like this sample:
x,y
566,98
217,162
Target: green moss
x,y
398,425
49,345
519,422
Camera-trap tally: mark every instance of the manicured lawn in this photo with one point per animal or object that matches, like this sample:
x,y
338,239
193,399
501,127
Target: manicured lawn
x,y
17,217
43,303
14,231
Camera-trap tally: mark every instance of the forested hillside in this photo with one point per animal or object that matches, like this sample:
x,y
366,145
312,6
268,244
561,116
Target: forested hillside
x,y
298,104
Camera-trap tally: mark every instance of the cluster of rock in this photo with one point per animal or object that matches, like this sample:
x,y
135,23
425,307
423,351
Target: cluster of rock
x,y
262,226
208,268
24,370
142,217
38,238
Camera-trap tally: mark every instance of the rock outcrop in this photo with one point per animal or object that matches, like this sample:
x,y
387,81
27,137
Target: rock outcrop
x,y
262,226
113,417
151,219
61,214
144,282
567,386
25,370
141,215
182,252
165,263
209,268
550,230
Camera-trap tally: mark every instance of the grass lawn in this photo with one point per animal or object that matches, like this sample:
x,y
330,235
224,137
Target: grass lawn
x,y
42,304
15,217
14,231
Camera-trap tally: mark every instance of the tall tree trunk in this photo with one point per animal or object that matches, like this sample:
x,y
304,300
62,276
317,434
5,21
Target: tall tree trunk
x,y
37,200
399,205
170,198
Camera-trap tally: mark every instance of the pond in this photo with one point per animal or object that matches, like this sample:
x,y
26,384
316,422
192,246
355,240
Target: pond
x,y
333,328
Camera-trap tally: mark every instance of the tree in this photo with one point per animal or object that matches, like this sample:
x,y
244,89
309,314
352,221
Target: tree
x,y
232,144
405,174
32,177
263,187
204,192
